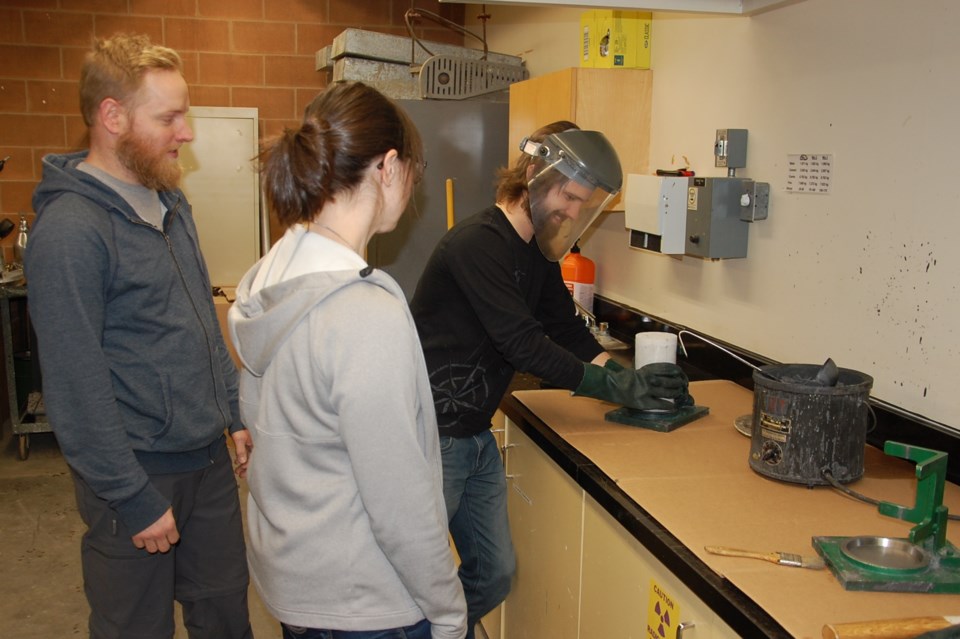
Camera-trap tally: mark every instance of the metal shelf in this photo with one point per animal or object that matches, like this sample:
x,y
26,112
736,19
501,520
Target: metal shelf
x,y
32,419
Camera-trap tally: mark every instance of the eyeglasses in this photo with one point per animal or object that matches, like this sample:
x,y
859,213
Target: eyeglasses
x,y
419,178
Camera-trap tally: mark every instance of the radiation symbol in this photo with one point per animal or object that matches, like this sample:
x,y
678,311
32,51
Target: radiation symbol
x,y
664,616
662,612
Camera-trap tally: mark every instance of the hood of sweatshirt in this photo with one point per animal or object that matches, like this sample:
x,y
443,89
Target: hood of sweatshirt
x,y
266,312
61,176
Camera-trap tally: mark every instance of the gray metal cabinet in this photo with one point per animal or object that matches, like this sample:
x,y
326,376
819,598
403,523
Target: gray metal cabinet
x,y
464,140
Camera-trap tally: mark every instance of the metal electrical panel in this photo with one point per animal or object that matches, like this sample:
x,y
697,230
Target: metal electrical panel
x,y
714,227
705,217
730,148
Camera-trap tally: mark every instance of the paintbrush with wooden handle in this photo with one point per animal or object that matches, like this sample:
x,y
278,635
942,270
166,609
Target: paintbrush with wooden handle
x,y
781,558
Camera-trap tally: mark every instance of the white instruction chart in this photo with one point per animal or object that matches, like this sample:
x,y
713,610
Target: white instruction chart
x,y
809,173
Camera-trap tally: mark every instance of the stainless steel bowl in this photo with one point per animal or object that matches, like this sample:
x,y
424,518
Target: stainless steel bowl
x,y
886,554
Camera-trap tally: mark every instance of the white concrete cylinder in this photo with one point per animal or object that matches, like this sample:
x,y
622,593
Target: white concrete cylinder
x,y
653,346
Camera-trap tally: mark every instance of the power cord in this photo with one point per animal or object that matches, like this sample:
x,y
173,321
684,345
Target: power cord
x,y
852,493
413,13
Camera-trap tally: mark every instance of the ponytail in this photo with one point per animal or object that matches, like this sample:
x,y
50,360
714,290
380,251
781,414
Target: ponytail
x,y
344,129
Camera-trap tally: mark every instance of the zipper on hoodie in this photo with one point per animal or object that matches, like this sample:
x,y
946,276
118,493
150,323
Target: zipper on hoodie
x,y
211,347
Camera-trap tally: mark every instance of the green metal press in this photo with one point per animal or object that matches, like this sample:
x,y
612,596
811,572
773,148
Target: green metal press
x,y
925,561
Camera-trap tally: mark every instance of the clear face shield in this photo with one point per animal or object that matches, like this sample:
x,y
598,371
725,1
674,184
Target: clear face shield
x,y
575,174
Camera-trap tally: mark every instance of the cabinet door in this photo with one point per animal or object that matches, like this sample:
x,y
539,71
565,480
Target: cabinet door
x,y
493,621
221,182
628,594
465,141
540,101
616,102
546,511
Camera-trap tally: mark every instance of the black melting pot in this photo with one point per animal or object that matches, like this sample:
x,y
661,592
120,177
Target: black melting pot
x,y
809,423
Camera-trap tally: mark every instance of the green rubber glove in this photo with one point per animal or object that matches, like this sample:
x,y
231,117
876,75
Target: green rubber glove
x,y
660,370
644,389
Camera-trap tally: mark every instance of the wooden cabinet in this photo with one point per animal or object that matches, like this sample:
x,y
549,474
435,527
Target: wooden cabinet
x,y
580,574
613,101
626,593
721,7
493,621
545,508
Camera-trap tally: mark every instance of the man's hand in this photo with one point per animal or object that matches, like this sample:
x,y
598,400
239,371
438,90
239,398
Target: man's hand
x,y
243,444
158,536
653,387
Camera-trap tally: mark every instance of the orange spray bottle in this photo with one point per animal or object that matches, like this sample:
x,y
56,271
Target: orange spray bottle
x,y
578,274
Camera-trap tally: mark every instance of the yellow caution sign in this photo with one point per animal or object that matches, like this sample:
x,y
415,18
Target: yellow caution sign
x,y
663,613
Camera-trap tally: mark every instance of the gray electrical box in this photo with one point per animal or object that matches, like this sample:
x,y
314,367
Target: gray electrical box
x,y
714,227
730,148
720,209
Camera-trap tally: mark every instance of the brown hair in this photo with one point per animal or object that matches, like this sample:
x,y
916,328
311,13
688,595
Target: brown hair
x,y
344,129
512,182
115,67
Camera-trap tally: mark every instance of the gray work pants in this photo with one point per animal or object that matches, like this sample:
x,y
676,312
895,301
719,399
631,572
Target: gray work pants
x,y
131,592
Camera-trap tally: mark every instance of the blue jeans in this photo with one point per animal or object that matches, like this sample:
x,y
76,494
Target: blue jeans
x,y
420,630
475,492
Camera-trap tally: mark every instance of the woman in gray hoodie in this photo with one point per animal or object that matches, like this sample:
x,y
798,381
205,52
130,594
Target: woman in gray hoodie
x,y
348,533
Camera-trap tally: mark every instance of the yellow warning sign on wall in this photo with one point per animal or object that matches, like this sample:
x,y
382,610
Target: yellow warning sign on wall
x,y
663,613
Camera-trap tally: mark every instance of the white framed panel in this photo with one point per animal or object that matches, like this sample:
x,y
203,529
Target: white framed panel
x,y
221,182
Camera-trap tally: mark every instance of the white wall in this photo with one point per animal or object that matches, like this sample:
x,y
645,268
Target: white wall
x,y
867,275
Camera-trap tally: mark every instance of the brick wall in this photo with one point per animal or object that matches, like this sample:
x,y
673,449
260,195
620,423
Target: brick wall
x,y
242,53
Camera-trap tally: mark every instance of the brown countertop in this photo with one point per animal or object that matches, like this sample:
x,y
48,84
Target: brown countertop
x,y
696,483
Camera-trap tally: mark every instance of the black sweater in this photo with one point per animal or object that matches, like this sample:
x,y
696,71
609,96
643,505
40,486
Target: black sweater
x,y
489,304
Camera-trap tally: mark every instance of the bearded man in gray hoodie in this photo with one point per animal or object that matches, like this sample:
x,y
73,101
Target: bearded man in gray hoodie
x,y
138,384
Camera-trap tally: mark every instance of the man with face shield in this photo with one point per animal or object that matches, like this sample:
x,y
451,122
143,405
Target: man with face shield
x,y
564,195
490,302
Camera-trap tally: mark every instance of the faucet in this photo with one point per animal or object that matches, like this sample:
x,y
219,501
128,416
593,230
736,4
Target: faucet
x,y
588,317
597,328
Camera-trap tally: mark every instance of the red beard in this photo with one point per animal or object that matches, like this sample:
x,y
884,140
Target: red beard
x,y
153,170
